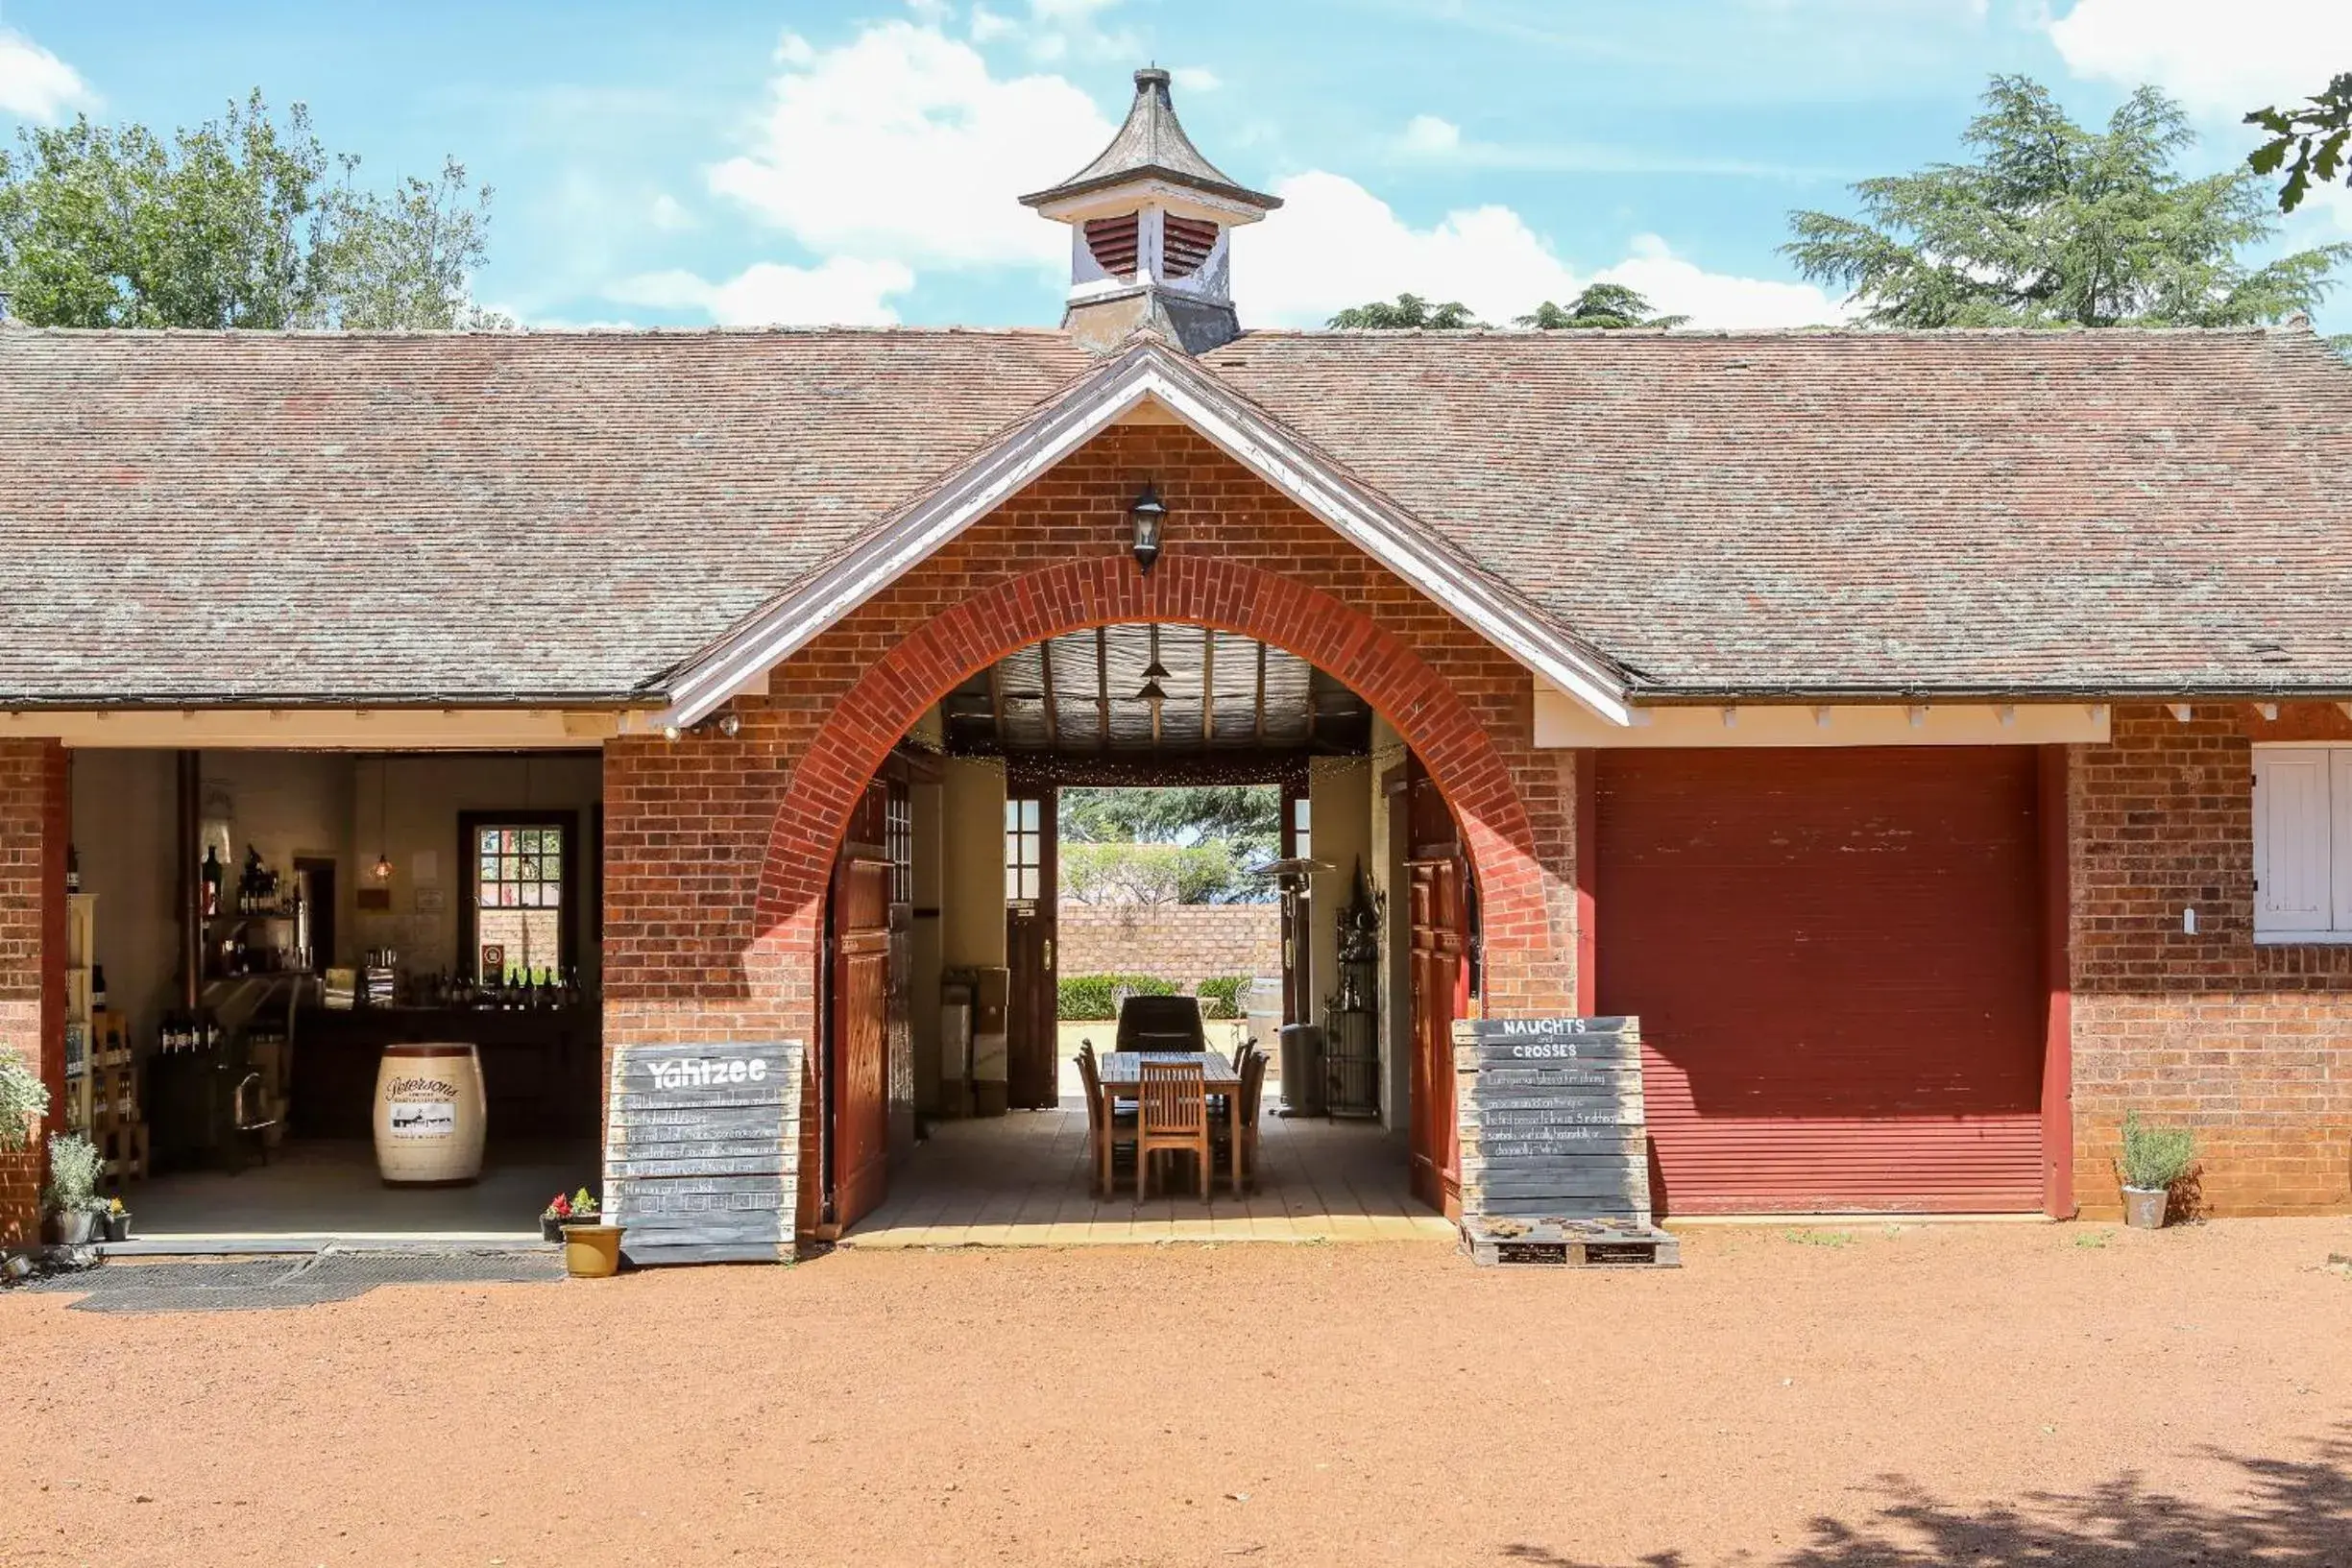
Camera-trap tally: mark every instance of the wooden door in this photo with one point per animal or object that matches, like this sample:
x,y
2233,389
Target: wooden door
x,y
857,1076
1441,974
1032,1066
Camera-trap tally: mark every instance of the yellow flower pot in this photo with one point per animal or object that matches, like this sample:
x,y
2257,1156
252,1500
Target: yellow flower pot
x,y
591,1252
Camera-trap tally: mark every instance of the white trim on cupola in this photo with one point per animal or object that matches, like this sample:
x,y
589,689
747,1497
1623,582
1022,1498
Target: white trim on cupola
x,y
1149,372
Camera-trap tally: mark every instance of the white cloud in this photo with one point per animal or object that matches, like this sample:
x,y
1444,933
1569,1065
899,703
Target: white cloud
x,y
2220,66
988,26
901,145
1334,244
667,213
35,84
1678,287
839,292
1430,136
1196,79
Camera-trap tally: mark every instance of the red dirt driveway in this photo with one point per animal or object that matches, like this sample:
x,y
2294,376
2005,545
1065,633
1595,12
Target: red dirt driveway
x,y
1867,1395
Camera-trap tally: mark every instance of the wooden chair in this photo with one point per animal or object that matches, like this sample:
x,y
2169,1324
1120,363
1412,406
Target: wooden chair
x,y
1098,1130
1173,1106
1161,1023
1251,1064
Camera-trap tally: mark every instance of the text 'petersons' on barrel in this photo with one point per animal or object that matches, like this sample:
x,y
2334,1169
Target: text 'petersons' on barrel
x,y
430,1115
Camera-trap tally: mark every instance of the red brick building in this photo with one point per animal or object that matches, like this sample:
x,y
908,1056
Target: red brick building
x,y
1943,741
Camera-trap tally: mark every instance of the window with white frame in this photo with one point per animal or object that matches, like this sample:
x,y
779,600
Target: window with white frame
x,y
2303,843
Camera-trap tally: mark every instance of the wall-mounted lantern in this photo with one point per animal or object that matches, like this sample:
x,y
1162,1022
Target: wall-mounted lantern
x,y
1149,515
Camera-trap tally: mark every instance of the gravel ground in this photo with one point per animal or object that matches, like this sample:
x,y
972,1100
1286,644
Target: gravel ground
x,y
1913,1395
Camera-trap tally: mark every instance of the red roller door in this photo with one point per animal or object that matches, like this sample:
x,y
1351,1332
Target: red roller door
x,y
1836,958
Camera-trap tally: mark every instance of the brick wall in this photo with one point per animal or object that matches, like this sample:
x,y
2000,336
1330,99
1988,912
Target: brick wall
x,y
2251,1045
716,849
33,834
1182,942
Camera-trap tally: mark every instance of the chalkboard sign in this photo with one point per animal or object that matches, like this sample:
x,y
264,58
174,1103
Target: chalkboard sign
x,y
1551,1119
702,1148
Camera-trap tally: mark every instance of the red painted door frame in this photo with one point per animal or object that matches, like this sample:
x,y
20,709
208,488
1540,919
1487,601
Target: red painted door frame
x,y
2058,978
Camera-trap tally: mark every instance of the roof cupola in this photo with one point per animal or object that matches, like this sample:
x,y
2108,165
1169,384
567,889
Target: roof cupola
x,y
1150,222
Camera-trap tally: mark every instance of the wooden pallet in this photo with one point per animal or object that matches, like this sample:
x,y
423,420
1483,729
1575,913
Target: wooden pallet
x,y
1568,1243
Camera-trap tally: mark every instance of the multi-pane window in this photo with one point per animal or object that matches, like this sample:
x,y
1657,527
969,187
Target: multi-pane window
x,y
1023,850
898,841
518,875
2303,843
1303,838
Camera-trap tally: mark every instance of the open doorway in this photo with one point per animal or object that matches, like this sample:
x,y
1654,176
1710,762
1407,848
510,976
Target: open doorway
x,y
1128,811
344,994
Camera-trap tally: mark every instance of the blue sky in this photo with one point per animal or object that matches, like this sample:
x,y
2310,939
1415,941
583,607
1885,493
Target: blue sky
x,y
804,161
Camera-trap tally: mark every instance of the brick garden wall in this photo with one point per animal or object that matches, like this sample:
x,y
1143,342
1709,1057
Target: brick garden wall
x,y
1186,943
2250,1044
710,922
33,843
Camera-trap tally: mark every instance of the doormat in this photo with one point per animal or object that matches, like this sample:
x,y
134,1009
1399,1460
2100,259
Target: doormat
x,y
262,1284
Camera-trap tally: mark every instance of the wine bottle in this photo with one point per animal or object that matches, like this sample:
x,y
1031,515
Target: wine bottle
x,y
212,881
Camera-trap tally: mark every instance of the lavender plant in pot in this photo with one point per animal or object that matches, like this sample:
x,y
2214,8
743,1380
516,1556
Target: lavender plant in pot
x,y
2149,1161
75,1167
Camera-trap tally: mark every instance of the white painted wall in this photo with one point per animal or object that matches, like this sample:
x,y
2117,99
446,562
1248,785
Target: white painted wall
x,y
972,894
125,805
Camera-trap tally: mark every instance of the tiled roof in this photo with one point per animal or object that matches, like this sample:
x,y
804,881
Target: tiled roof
x,y
1870,512
566,515
468,516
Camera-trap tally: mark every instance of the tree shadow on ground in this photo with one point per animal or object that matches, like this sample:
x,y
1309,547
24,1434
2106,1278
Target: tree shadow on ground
x,y
2290,1513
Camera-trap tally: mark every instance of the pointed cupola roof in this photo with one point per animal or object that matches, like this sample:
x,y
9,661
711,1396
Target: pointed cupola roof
x,y
1152,145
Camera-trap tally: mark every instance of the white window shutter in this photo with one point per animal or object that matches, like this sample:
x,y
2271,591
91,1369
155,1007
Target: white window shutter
x,y
2341,792
2293,853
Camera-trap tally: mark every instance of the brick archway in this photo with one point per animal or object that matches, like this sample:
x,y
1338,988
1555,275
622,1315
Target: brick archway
x,y
869,720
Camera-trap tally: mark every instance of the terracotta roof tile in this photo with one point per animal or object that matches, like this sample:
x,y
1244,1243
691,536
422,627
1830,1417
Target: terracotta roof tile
x,y
1872,512
565,516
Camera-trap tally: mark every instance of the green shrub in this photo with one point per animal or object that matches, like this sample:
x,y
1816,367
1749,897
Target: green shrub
x,y
22,1101
75,1169
2153,1158
1088,997
1221,995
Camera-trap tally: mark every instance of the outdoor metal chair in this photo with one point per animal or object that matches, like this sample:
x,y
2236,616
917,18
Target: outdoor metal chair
x,y
1172,1117
1161,1023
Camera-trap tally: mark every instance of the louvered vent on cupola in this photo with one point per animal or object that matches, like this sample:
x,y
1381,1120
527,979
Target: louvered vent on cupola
x,y
1114,243
1185,243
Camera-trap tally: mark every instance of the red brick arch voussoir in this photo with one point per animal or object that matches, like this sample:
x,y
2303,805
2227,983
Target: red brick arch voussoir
x,y
1375,663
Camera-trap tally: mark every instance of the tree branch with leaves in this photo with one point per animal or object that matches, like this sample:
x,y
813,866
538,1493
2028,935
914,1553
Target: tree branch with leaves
x,y
2316,131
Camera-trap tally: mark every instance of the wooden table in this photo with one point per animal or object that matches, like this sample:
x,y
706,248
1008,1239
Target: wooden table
x,y
1121,1073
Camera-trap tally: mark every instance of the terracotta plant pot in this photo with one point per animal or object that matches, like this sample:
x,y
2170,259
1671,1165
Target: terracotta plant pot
x,y
552,1229
591,1252
2144,1207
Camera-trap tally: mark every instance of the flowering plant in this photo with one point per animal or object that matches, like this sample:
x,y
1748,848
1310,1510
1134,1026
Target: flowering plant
x,y
580,1206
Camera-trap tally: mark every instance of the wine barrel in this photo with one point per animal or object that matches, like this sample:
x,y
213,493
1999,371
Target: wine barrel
x,y
430,1115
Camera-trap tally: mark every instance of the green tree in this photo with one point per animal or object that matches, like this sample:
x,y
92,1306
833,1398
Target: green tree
x,y
241,222
1606,307
2054,226
2315,133
1245,814
1405,313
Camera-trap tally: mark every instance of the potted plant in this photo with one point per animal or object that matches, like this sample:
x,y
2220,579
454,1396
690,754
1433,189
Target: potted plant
x,y
580,1208
592,1248
118,1221
74,1172
2149,1161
